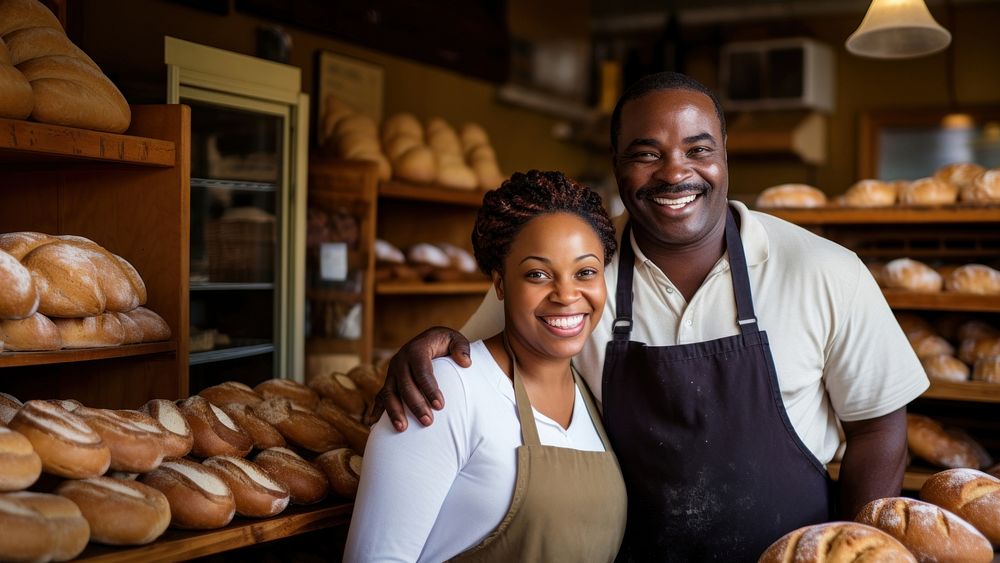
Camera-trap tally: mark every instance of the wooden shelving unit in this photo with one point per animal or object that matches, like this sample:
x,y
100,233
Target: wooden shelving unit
x,y
395,189
20,359
29,142
888,215
179,545
942,301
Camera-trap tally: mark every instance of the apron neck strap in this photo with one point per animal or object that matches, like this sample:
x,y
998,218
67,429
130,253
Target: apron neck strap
x,y
745,316
622,327
529,432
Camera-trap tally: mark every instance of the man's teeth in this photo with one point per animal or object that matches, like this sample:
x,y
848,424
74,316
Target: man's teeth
x,y
572,321
675,203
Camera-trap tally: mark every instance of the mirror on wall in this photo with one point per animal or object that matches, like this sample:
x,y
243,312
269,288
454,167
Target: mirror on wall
x,y
911,144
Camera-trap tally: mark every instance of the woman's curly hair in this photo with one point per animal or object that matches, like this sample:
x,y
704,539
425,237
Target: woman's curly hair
x,y
507,209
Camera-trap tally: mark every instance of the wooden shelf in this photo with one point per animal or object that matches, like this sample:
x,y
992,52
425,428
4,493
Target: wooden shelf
x,y
854,215
942,301
913,479
333,295
976,391
27,141
234,352
20,359
430,192
177,545
432,288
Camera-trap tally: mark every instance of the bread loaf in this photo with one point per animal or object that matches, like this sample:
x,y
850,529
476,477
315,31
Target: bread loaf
x,y
177,437
263,434
27,534
416,164
343,470
973,349
20,14
255,492
959,174
925,345
20,466
71,530
354,432
33,42
987,369
154,328
99,331
972,495
67,446
16,99
215,433
120,512
305,483
130,329
945,368
198,497
985,189
231,392
871,193
951,448
976,279
294,391
136,444
300,426
402,124
911,275
340,389
930,532
70,92
18,295
928,191
790,195
836,542
34,333
9,405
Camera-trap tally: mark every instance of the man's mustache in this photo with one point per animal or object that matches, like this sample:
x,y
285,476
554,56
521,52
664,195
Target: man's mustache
x,y
663,189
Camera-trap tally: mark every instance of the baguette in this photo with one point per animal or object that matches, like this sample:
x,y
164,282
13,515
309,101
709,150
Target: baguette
x,y
198,497
305,483
255,492
294,391
214,432
972,495
930,532
263,434
230,392
300,426
836,542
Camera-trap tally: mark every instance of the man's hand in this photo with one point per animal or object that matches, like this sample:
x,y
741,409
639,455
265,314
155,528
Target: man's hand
x,y
410,378
874,461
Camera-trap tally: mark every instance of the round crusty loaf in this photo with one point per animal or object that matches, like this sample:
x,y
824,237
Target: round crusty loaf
x,y
340,389
790,195
136,444
985,189
300,426
973,278
263,434
911,275
177,437
951,447
294,391
836,542
305,483
34,333
67,445
926,344
198,497
27,534
16,98
215,433
944,367
930,532
18,295
120,512
99,331
871,193
928,191
343,469
256,493
72,532
9,405
70,92
230,392
971,494
417,164
20,466
987,369
354,432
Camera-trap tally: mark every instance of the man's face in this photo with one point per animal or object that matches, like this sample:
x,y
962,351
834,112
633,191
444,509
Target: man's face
x,y
671,167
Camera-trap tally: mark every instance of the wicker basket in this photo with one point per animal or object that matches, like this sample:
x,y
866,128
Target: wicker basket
x,y
240,250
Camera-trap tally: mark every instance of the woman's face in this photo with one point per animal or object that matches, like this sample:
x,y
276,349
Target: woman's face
x,y
553,286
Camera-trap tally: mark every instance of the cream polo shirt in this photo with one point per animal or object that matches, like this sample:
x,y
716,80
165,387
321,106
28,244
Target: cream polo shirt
x,y
837,348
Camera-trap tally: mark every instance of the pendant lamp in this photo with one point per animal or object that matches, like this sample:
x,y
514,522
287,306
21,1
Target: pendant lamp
x,y
898,29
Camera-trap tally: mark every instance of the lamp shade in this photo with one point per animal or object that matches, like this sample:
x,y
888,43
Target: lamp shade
x,y
898,29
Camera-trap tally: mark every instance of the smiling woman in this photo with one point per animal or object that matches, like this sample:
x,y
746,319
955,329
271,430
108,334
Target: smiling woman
x,y
448,490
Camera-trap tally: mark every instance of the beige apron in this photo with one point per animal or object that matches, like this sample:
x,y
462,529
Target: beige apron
x,y
568,505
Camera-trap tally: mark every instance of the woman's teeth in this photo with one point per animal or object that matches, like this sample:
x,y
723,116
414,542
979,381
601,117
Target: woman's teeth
x,y
675,203
571,321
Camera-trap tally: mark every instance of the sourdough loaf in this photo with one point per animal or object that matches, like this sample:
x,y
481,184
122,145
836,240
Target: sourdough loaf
x,y
971,494
943,447
930,532
837,542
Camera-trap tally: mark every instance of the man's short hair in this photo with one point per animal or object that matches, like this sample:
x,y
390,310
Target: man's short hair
x,y
656,82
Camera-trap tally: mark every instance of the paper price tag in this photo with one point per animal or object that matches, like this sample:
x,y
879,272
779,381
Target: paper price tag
x,y
333,261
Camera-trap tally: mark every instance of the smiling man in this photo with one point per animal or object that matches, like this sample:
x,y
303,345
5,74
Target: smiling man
x,y
736,349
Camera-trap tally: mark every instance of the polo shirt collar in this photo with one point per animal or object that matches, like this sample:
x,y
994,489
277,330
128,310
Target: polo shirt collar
x,y
752,232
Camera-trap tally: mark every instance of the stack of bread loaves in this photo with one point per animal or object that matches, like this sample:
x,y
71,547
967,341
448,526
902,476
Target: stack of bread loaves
x,y
412,160
66,86
957,347
479,154
69,292
452,171
429,262
960,182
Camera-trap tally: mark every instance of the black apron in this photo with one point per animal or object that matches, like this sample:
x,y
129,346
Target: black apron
x,y
713,468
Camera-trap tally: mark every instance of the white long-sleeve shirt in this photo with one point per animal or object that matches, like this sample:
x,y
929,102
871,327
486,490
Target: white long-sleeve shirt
x,y
428,494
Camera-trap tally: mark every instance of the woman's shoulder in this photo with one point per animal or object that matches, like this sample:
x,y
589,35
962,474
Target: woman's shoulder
x,y
479,378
